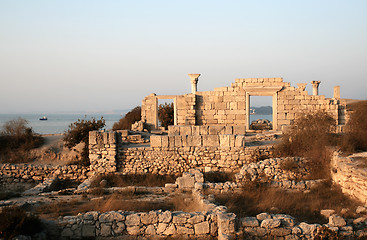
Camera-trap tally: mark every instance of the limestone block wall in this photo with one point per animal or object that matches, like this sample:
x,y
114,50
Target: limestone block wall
x,y
206,130
224,106
162,160
185,109
171,154
102,151
293,102
151,224
230,105
149,110
221,141
212,222
352,178
36,173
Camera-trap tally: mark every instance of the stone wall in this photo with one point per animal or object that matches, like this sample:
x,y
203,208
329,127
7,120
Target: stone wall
x,y
149,224
107,154
37,173
230,105
178,160
206,130
213,222
219,141
351,175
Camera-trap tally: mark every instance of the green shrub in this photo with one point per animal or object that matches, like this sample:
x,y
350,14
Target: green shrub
x,y
131,117
16,139
309,137
15,221
165,114
78,132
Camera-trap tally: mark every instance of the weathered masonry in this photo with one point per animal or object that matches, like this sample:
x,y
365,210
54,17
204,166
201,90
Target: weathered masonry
x,y
230,106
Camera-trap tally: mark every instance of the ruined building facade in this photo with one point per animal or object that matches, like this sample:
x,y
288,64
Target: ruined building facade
x,y
230,106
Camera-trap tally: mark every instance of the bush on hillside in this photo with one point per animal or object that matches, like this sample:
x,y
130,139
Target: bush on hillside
x,y
78,132
309,137
16,139
165,114
355,138
131,117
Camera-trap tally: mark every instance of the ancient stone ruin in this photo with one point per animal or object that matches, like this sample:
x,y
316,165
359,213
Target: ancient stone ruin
x,y
210,134
231,105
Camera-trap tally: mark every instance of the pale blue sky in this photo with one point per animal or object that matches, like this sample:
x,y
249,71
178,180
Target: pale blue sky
x,y
73,55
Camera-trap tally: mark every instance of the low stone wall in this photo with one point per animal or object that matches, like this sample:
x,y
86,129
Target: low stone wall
x,y
149,224
35,173
350,175
179,160
213,222
107,154
206,130
271,170
220,141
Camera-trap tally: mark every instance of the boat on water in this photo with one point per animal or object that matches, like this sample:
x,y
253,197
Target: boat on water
x,y
44,118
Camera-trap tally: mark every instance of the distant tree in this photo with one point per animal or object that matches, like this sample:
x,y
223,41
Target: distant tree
x,y
166,114
131,117
78,132
16,139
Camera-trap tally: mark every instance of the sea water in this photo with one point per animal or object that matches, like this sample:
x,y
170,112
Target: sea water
x,y
58,123
258,116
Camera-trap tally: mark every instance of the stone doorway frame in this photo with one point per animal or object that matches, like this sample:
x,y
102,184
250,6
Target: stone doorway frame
x,y
263,91
174,108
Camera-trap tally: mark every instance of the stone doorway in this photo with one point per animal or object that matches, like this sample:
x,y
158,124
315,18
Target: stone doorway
x,y
261,113
263,91
166,99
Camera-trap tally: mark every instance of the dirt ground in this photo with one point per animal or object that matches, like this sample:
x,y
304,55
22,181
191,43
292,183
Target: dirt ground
x,y
54,152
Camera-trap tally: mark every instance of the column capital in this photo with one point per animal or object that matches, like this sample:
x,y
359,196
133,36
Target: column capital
x,y
315,87
302,86
194,77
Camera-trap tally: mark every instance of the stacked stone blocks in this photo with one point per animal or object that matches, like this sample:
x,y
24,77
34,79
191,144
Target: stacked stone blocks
x,y
228,105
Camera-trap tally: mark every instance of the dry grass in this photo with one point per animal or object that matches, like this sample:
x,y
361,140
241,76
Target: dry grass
x,y
15,221
4,195
60,184
219,177
355,138
127,201
257,198
16,139
290,164
309,137
116,202
149,180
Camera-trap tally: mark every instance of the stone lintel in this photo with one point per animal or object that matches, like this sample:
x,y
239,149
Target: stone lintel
x,y
166,96
262,90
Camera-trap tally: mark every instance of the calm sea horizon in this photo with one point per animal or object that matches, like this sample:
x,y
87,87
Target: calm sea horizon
x,y
59,122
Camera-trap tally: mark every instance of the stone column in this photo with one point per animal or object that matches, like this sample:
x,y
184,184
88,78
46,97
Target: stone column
x,y
194,81
315,87
337,92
